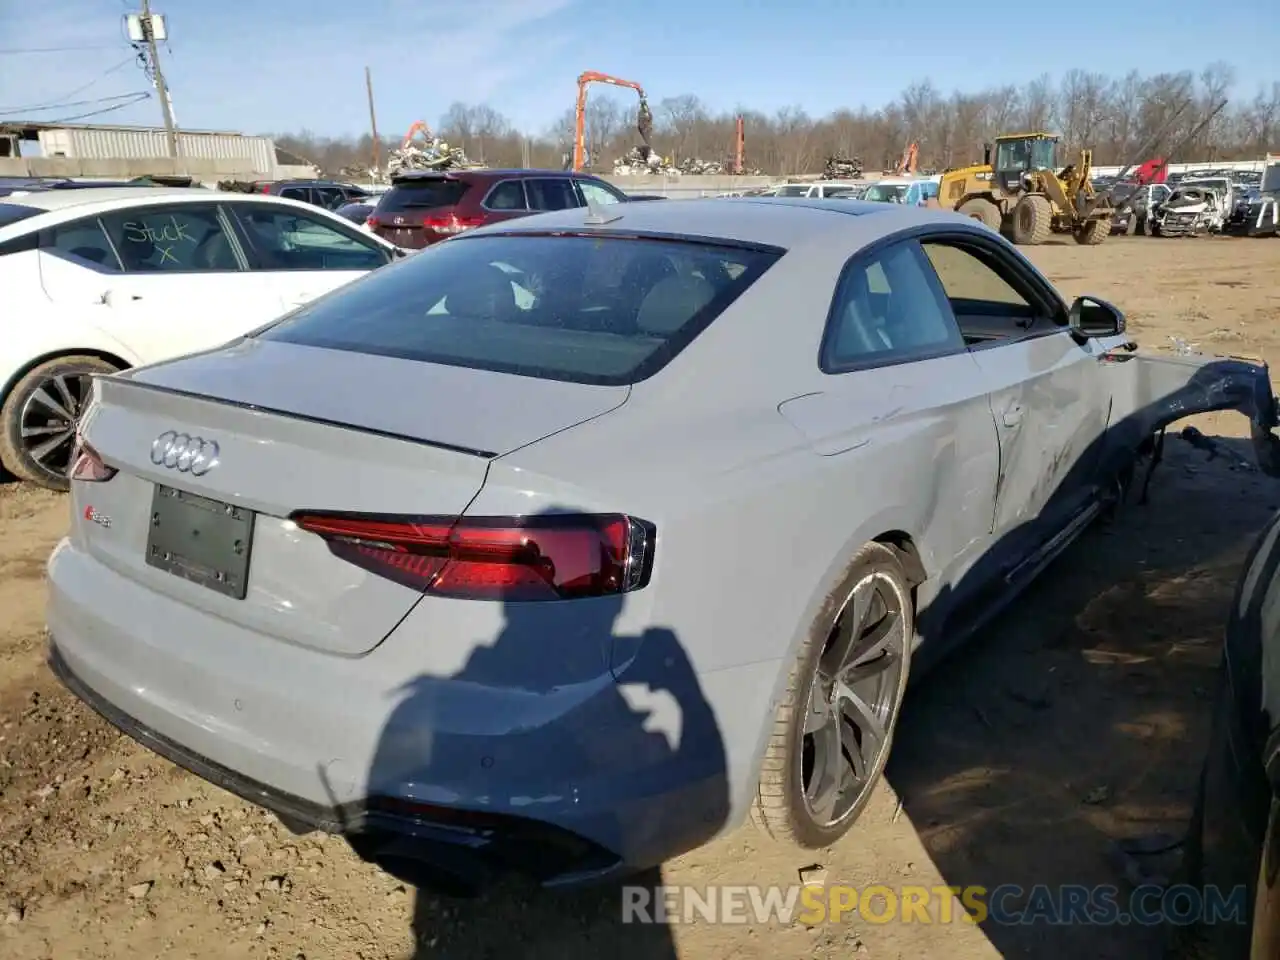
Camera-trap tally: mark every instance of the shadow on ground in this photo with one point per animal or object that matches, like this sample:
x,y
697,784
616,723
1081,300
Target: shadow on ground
x,y
1079,717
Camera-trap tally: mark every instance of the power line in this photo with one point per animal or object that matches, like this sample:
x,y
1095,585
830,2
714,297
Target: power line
x,y
138,98
78,103
62,101
14,51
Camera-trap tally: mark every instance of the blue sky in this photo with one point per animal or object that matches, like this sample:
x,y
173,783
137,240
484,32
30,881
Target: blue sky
x,y
288,65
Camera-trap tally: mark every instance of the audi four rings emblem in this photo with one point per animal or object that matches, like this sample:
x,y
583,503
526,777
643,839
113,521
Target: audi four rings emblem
x,y
184,453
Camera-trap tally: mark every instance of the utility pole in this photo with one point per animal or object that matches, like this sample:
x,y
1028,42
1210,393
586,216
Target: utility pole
x,y
162,90
373,123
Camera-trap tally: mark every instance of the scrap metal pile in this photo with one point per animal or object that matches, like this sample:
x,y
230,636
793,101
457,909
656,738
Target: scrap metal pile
x,y
642,160
433,154
842,168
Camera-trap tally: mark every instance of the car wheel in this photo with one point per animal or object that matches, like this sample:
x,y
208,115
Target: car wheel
x,y
1233,843
39,416
833,731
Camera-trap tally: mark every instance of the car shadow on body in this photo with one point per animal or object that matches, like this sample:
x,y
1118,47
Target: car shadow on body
x,y
651,730
1078,717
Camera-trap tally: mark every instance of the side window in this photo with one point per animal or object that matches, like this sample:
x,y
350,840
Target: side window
x,y
280,239
331,198
886,311
550,194
178,239
597,194
296,193
507,195
82,242
984,302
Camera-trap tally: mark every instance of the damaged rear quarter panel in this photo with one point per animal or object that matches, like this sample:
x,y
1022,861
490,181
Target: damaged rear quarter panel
x,y
1152,390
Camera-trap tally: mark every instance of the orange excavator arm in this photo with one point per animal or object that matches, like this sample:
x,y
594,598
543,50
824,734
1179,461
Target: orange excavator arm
x,y
418,126
907,164
580,114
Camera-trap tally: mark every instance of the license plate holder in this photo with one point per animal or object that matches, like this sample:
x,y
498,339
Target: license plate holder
x,y
204,541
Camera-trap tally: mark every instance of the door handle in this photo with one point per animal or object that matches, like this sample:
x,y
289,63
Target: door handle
x,y
1012,415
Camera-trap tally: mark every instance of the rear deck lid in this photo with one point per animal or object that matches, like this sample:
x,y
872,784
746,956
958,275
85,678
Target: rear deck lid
x,y
270,429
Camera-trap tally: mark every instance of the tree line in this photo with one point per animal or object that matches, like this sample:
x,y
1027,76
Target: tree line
x,y
1183,116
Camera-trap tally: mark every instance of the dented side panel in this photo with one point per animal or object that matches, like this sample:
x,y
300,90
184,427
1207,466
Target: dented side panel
x,y
1050,410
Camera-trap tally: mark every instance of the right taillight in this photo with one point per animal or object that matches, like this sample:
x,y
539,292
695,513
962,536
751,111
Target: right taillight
x,y
545,557
372,223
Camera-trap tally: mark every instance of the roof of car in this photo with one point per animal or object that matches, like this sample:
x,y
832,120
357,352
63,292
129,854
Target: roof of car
x,y
777,221
51,200
489,172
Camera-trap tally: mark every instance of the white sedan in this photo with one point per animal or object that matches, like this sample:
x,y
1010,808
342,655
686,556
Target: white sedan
x,y
568,541
100,279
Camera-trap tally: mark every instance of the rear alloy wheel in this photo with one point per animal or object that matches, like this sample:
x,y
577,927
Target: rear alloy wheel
x,y
1032,220
39,417
834,729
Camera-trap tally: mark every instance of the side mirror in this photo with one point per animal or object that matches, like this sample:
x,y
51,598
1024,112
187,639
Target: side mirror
x,y
1091,317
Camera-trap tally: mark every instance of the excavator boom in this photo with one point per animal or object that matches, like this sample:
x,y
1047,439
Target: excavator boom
x,y
644,121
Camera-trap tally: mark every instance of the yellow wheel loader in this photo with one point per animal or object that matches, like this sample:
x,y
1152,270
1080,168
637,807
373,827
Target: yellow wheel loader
x,y
1022,196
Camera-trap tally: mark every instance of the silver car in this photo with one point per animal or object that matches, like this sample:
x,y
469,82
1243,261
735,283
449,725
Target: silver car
x,y
569,542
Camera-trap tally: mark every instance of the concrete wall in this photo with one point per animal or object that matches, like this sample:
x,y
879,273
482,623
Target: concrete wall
x,y
687,187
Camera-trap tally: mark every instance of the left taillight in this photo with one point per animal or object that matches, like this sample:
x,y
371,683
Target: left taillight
x,y
87,466
551,557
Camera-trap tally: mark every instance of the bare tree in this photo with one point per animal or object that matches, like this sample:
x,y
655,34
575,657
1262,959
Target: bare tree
x,y
681,119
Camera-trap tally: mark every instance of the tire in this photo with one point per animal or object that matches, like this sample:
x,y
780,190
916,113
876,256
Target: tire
x,y
1032,220
1093,232
984,210
1223,848
787,801
64,381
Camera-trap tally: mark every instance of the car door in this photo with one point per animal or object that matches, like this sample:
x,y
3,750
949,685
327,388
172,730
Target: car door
x,y
300,256
904,406
169,278
1049,397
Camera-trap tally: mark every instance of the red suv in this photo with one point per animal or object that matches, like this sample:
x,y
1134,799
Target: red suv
x,y
424,207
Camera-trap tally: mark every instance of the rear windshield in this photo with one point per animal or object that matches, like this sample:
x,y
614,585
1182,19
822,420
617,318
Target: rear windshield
x,y
601,310
14,212
422,195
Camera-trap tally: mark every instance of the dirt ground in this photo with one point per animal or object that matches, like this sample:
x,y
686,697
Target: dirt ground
x,y
1079,718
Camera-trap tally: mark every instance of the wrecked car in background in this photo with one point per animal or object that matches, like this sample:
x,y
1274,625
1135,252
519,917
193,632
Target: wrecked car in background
x,y
1257,214
1194,209
1137,206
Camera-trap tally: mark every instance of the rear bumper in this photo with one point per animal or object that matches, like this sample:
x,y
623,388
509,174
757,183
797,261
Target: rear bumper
x,y
433,848
442,782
